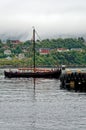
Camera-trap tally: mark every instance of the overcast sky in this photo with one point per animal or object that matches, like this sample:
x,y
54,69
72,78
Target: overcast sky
x,y
50,17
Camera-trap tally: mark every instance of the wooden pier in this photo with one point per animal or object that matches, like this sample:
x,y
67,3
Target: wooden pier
x,y
73,81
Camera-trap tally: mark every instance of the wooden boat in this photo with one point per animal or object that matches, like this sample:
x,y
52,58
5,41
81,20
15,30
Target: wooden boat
x,y
50,74
35,73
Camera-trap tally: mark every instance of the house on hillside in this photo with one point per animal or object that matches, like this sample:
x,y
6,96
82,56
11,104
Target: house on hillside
x,y
62,50
21,56
15,41
8,58
7,52
44,51
24,50
76,49
5,47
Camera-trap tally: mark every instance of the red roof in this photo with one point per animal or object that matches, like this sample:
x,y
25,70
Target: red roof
x,y
15,41
44,51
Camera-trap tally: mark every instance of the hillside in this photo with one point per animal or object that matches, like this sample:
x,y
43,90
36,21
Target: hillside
x,y
21,53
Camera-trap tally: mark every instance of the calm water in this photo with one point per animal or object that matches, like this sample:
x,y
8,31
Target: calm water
x,y
44,108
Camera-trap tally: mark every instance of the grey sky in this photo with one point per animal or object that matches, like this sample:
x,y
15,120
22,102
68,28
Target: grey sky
x,y
50,17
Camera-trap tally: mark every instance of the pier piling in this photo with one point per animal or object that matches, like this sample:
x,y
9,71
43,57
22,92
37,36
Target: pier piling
x,y
75,81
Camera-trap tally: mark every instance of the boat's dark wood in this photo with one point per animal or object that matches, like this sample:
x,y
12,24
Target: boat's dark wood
x,y
51,74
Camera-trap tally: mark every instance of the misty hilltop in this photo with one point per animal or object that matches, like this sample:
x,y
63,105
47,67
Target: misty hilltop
x,y
14,36
24,36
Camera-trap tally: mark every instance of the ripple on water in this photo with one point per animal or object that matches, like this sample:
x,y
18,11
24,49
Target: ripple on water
x,y
44,108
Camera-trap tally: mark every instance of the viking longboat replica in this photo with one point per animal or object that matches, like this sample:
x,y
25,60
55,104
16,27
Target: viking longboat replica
x,y
49,74
35,73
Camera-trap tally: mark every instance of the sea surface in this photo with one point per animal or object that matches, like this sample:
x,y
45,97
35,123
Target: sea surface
x,y
40,104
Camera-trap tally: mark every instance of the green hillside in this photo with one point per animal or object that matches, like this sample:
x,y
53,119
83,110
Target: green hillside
x,y
76,54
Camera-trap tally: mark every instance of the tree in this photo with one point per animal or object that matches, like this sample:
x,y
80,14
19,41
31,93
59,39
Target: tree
x,y
81,39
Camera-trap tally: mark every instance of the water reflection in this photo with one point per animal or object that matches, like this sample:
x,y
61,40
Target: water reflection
x,y
34,82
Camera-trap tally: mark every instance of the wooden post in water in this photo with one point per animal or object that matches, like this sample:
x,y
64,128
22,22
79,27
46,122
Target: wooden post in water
x,y
34,49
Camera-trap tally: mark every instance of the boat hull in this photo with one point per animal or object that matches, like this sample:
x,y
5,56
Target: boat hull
x,y
51,74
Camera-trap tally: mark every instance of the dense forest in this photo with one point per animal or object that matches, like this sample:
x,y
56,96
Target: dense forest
x,y
75,56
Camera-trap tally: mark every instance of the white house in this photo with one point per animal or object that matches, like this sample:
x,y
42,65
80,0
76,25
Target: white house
x,y
77,49
7,52
62,49
21,56
8,58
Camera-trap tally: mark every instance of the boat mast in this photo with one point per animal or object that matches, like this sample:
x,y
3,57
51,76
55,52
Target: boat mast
x,y
34,49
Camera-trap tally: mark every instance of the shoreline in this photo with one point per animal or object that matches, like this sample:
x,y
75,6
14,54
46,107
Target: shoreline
x,y
67,66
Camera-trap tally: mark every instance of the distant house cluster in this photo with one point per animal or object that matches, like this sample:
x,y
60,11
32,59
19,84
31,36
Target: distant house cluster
x,y
66,50
25,49
45,51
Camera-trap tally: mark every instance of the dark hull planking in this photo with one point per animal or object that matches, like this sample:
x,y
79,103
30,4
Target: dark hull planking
x,y
51,74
